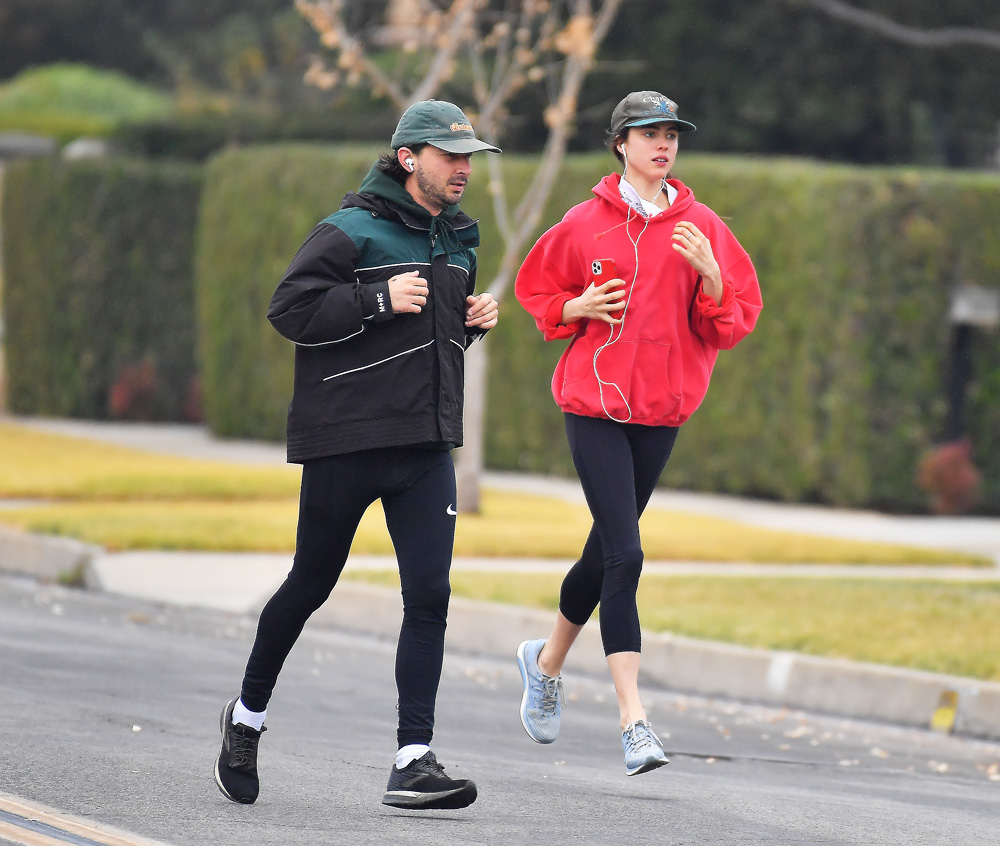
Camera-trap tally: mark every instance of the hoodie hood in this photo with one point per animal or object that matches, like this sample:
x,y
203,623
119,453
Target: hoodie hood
x,y
609,189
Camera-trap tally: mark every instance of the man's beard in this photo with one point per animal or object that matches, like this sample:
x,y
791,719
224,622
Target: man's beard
x,y
436,195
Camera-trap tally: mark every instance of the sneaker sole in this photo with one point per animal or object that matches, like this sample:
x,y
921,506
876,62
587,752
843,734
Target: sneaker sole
x,y
446,800
226,793
646,766
524,696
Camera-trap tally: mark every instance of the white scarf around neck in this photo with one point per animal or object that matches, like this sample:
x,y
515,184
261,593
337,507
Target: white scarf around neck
x,y
644,207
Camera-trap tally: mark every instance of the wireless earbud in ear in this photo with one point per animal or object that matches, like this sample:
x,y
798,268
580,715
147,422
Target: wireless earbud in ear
x,y
409,164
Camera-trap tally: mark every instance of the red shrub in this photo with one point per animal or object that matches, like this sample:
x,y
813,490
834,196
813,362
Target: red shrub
x,y
133,393
948,474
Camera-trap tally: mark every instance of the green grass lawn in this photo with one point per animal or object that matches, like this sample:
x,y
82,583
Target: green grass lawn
x,y
510,525
38,465
126,499
123,499
939,627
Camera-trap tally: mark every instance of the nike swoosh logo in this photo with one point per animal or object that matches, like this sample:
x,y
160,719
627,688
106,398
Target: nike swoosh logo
x,y
451,510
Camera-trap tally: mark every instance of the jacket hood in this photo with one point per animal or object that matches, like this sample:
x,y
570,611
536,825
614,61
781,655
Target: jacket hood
x,y
377,184
609,189
383,195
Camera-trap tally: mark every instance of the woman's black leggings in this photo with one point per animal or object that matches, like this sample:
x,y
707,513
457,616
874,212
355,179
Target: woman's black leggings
x,y
417,489
619,465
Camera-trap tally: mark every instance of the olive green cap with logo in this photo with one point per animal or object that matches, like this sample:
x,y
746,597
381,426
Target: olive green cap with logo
x,y
644,108
440,124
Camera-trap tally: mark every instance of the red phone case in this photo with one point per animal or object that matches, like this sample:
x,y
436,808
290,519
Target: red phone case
x,y
603,270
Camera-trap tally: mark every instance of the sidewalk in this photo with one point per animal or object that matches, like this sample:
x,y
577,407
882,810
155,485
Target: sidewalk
x,y
241,583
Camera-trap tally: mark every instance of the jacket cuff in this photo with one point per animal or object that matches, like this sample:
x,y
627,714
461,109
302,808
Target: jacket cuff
x,y
375,302
707,306
553,318
474,333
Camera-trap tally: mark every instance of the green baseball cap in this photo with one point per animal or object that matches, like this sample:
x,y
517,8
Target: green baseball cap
x,y
642,108
440,124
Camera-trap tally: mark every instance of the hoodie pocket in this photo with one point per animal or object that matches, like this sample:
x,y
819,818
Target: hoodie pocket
x,y
638,380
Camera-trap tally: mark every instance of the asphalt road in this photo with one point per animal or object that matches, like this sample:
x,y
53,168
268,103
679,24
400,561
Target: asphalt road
x,y
109,712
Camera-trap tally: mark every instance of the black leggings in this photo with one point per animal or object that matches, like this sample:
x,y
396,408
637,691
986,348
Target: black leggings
x,y
619,465
417,489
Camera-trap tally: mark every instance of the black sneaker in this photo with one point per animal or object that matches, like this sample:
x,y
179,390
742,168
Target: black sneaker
x,y
423,785
236,769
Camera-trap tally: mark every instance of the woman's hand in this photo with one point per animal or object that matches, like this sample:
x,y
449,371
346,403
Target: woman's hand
x,y
697,249
598,302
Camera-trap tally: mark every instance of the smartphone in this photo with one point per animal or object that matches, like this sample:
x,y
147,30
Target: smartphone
x,y
604,270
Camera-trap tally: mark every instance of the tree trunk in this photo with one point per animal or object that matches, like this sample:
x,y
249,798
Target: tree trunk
x,y
469,467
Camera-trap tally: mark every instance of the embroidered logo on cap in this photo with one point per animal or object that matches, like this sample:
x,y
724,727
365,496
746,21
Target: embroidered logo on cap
x,y
661,104
460,127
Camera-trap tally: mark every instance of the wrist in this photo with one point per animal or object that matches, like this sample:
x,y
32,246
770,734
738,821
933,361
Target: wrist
x,y
711,286
376,302
570,313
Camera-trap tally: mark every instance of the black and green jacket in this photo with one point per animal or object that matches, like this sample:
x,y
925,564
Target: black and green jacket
x,y
365,377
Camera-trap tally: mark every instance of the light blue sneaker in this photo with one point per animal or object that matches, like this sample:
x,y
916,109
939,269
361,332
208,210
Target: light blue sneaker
x,y
543,698
643,750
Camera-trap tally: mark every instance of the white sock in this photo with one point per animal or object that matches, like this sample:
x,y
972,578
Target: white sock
x,y
242,714
409,754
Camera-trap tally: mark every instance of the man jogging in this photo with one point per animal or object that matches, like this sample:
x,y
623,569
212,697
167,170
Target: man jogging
x,y
379,302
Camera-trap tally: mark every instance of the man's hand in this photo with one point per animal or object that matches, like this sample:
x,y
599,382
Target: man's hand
x,y
596,303
407,292
482,312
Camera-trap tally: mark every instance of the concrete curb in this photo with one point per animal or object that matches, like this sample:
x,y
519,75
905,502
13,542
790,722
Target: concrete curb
x,y
706,668
821,685
44,557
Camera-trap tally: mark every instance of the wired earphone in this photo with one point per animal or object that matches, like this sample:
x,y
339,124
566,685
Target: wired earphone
x,y
612,339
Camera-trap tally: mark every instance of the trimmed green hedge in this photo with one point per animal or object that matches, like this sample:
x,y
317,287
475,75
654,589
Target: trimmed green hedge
x,y
196,135
844,384
833,399
98,301
258,206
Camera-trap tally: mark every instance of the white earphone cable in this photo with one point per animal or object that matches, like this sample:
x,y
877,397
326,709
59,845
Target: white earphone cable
x,y
612,338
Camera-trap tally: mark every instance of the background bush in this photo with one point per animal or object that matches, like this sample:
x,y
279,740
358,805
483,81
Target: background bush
x,y
67,101
98,300
833,399
258,206
198,132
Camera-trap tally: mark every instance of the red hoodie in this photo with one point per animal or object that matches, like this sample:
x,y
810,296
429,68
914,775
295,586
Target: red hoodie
x,y
654,368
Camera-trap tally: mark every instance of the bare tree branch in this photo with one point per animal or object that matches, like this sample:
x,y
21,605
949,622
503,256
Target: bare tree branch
x,y
326,17
510,45
494,166
463,16
951,36
578,63
514,58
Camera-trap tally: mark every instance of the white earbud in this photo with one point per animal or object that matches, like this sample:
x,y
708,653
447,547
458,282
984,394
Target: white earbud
x,y
409,164
621,149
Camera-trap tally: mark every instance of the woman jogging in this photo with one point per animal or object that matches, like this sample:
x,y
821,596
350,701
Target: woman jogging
x,y
642,346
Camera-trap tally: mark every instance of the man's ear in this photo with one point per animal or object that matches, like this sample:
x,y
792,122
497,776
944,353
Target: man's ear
x,y
404,155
